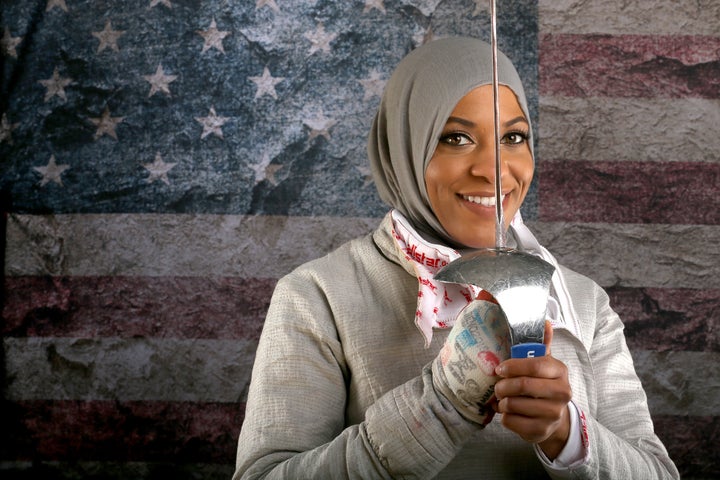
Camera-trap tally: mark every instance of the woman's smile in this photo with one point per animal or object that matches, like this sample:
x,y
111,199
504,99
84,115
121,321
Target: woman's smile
x,y
483,200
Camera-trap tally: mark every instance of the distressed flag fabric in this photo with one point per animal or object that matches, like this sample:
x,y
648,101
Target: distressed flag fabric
x,y
164,162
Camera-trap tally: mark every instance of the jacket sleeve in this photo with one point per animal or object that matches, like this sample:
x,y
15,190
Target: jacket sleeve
x,y
619,430
294,424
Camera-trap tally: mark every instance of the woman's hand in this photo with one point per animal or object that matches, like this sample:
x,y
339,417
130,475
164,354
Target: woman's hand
x,y
533,397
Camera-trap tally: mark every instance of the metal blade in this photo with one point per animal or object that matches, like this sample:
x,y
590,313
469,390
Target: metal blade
x,y
500,236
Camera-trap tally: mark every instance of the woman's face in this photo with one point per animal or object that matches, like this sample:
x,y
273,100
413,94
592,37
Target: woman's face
x,y
460,178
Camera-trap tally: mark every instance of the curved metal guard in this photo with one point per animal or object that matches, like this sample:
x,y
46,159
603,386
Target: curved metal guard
x,y
519,281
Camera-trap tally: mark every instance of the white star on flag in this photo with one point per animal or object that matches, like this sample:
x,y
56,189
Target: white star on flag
x,y
319,39
56,3
212,124
51,172
265,171
106,124
213,37
266,84
319,125
55,85
155,3
6,129
270,172
159,170
270,3
159,81
481,6
373,85
366,175
108,37
377,4
425,36
8,44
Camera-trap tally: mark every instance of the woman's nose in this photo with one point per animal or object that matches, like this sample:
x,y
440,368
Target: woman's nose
x,y
483,164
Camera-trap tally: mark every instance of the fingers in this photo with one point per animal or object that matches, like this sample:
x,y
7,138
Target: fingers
x,y
542,367
534,408
530,407
556,389
545,421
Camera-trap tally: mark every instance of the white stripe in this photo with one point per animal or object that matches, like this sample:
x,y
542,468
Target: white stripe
x,y
218,371
137,369
632,255
659,17
636,255
172,245
674,385
629,129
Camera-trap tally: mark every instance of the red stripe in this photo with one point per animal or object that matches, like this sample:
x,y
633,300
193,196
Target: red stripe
x,y
669,319
181,432
692,443
161,307
629,192
629,66
228,308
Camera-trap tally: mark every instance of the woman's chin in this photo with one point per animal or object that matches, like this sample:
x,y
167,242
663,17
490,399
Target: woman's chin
x,y
476,242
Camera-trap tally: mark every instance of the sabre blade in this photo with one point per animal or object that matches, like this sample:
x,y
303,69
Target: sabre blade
x,y
500,236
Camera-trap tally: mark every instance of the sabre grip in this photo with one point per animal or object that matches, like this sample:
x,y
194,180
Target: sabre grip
x,y
527,350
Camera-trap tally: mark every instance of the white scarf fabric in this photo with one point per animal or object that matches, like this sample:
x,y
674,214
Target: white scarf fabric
x,y
438,303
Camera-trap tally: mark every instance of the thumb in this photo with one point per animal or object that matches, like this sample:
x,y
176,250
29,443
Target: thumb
x,y
548,336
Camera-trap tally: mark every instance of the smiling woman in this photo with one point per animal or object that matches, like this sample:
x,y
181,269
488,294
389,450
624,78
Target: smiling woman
x,y
369,367
460,177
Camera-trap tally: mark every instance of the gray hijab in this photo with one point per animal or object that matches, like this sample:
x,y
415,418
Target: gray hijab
x,y
419,97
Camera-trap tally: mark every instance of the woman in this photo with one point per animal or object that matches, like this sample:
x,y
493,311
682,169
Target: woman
x,y
360,372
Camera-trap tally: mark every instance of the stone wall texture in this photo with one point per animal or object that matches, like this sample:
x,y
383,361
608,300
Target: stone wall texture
x,y
164,162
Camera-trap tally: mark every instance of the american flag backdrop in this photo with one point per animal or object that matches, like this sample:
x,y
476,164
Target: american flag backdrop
x,y
164,162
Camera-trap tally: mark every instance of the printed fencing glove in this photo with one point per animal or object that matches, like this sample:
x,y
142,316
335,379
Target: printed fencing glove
x,y
464,371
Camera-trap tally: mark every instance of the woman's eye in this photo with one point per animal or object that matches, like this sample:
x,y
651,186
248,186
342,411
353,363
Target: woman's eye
x,y
455,139
514,138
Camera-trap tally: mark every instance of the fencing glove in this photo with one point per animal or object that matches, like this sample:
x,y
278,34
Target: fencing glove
x,y
464,370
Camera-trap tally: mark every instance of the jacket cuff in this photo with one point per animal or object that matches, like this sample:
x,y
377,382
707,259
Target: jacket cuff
x,y
576,451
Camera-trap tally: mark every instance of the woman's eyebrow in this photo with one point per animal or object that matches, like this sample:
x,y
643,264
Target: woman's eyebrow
x,y
518,119
461,121
468,123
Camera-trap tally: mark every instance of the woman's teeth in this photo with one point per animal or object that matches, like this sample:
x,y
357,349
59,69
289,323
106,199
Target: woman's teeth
x,y
484,201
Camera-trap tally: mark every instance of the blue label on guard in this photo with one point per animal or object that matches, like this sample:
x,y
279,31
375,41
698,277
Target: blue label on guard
x,y
527,350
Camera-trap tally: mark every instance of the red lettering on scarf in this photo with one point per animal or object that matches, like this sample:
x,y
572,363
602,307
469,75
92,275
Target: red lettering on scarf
x,y
585,435
422,259
429,283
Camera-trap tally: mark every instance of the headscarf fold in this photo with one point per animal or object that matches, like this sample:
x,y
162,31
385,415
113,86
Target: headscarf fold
x,y
418,98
